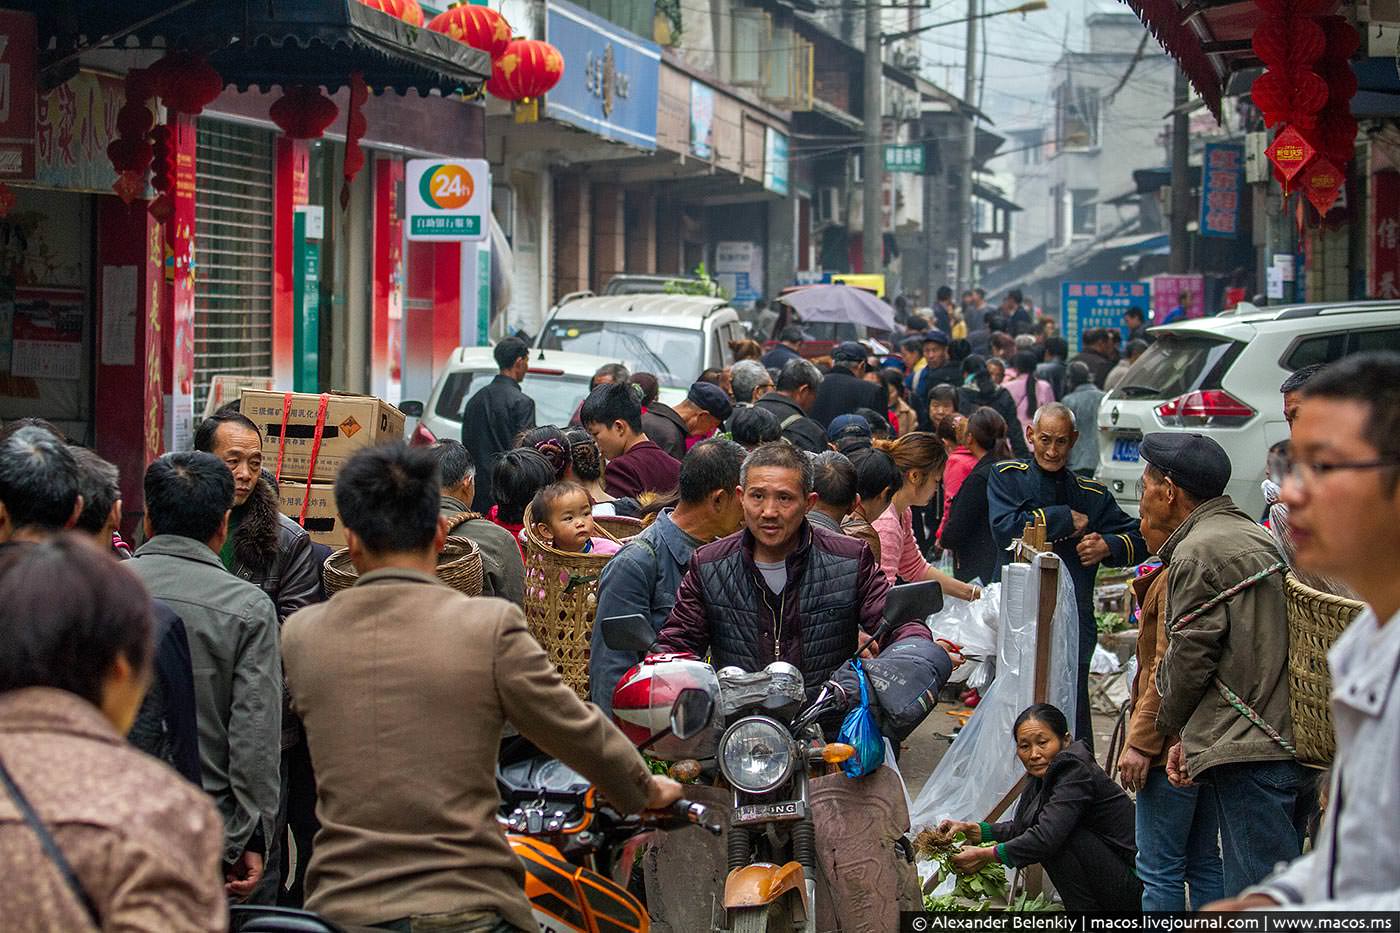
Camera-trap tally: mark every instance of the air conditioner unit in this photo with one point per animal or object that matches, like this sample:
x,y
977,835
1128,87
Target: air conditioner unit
x,y
830,205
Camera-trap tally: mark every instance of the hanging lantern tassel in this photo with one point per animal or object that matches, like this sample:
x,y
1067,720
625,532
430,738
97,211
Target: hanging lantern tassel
x,y
303,112
355,128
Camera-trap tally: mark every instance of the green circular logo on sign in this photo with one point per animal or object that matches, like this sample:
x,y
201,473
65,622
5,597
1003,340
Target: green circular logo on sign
x,y
446,187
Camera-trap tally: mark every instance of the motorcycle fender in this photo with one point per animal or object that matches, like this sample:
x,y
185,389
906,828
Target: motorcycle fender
x,y
763,883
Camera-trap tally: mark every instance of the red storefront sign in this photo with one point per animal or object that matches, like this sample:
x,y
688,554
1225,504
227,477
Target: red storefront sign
x,y
1385,236
18,71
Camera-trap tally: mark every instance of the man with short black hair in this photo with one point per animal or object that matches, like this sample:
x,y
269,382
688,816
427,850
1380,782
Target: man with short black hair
x,y
39,486
613,415
834,480
1083,398
788,349
503,573
792,397
497,413
1292,390
938,370
1136,322
232,627
1098,353
644,576
845,389
405,687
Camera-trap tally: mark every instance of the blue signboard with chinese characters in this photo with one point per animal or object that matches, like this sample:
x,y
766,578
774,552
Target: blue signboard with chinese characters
x,y
610,77
1087,305
1222,186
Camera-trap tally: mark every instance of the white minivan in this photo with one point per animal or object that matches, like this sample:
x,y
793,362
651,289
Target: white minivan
x,y
1220,376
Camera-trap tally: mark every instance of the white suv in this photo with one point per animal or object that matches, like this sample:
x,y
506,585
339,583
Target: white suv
x,y
1220,376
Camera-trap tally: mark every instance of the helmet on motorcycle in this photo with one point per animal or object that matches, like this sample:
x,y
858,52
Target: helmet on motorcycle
x,y
643,698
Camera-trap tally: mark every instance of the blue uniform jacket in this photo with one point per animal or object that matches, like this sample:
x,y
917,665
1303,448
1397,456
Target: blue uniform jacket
x,y
1020,492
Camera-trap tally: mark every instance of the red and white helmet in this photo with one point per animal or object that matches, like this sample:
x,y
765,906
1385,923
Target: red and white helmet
x,y
643,698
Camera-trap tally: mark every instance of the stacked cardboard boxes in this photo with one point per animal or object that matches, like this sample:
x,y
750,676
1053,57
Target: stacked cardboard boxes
x,y
307,439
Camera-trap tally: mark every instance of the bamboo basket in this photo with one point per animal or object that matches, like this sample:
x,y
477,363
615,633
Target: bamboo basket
x,y
1315,620
459,566
561,596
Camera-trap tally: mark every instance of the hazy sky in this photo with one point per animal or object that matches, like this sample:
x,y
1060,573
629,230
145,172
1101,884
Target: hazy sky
x,y
1020,51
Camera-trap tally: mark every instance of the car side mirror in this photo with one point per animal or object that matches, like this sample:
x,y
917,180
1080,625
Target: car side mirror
x,y
411,409
691,713
628,633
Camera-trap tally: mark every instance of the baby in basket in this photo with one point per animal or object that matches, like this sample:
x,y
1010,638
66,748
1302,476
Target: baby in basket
x,y
563,516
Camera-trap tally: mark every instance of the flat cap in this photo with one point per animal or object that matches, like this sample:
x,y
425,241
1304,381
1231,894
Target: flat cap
x,y
1194,462
934,335
710,398
847,426
849,352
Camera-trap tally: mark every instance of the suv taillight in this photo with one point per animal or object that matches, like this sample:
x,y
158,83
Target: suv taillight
x,y
1214,405
422,437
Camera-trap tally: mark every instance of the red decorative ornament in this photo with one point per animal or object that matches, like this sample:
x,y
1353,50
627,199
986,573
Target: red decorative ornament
x,y
1322,182
186,82
161,208
130,186
303,112
355,128
130,154
1335,135
478,26
1290,154
1289,98
160,169
7,199
528,69
407,10
1289,42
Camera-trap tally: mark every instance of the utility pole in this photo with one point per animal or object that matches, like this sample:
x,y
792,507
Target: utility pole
x,y
1179,260
872,213
969,154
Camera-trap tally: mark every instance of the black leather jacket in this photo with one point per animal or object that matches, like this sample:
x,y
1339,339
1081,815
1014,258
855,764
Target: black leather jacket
x,y
273,552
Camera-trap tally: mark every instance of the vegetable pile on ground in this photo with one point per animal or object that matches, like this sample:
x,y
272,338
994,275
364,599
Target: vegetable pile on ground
x,y
985,889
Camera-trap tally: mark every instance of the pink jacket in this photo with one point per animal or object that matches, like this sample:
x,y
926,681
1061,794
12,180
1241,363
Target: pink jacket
x,y
899,552
960,464
1044,395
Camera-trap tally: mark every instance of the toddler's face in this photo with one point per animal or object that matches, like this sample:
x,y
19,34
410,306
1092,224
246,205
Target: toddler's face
x,y
571,522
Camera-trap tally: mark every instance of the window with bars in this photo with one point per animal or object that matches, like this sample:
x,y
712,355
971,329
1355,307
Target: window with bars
x,y
233,254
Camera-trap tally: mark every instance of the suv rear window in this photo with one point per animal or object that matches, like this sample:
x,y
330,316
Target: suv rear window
x,y
1326,348
1178,363
556,397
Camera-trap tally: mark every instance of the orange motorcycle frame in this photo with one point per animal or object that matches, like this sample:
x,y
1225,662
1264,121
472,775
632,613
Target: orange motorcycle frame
x,y
574,898
763,883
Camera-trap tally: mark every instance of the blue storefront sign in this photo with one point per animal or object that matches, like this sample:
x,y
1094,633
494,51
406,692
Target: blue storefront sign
x,y
610,77
1222,186
1087,305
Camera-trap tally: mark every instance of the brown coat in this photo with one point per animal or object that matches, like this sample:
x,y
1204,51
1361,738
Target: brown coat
x,y
404,686
1151,591
144,842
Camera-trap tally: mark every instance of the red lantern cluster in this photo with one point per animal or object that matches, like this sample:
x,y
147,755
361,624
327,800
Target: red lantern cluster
x,y
478,26
303,112
528,69
407,10
355,128
162,168
186,82
131,152
1306,93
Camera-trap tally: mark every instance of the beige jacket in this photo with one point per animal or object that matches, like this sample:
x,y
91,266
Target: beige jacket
x,y
1150,591
144,842
404,686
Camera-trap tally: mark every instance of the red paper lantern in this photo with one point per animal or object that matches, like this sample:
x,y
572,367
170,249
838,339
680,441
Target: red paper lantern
x,y
160,162
130,154
1343,41
303,112
186,82
478,26
1335,135
355,128
1289,98
407,10
528,69
1289,42
1322,182
134,119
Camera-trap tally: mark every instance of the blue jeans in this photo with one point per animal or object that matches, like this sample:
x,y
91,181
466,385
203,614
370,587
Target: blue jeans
x,y
1177,844
1264,808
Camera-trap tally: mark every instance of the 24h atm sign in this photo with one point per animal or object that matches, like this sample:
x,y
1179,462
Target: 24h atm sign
x,y
448,199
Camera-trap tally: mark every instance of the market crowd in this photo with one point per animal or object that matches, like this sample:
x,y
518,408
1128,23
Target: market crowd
x,y
161,707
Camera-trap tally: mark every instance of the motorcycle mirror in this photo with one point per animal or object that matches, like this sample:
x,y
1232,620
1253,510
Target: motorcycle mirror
x,y
910,601
628,633
691,713
411,409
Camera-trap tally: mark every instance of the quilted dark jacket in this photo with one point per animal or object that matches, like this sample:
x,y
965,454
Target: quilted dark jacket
x,y
725,610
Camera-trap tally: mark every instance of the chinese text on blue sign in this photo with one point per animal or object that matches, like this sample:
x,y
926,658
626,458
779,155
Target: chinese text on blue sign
x,y
1222,182
1087,305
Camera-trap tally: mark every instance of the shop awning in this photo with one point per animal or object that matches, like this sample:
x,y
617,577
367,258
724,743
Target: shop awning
x,y
261,43
1210,39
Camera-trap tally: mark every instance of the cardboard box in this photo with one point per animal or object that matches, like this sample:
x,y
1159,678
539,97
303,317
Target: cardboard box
x,y
322,519
352,422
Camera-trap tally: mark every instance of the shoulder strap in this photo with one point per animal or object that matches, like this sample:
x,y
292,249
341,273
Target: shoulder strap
x,y
461,518
46,841
789,421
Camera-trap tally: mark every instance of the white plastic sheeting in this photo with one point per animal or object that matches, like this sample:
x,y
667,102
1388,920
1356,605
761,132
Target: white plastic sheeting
x,y
981,765
970,625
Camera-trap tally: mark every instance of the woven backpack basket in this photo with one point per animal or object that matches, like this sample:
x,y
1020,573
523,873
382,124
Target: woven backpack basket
x,y
1315,620
459,566
561,596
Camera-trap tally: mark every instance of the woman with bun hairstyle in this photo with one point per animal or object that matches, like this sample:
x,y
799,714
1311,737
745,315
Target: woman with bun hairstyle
x,y
920,458
967,524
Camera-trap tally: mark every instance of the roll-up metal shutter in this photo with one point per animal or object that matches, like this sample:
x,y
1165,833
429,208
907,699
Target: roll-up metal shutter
x,y
233,254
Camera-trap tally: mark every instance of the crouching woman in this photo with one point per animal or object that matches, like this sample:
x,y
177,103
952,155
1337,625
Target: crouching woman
x,y
1072,819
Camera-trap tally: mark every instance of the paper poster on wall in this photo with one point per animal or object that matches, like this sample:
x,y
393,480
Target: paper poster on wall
x,y
47,329
702,120
119,315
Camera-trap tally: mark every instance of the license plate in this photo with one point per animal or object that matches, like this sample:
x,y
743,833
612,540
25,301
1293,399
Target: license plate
x,y
765,812
1125,449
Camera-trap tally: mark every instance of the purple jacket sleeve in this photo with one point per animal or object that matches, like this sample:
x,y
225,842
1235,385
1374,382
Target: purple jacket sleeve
x,y
620,479
687,628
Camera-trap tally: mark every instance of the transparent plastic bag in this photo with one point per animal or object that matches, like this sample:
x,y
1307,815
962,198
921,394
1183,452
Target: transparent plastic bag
x,y
860,731
970,625
981,766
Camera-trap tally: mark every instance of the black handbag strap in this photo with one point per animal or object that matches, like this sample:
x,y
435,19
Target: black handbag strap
x,y
50,847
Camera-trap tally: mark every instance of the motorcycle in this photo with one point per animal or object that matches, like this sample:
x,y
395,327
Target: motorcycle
x,y
772,746
579,853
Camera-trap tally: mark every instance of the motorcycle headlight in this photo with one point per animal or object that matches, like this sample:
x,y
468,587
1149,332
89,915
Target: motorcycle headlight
x,y
756,755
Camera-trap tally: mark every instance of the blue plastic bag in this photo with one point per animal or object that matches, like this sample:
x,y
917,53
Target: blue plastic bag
x,y
860,731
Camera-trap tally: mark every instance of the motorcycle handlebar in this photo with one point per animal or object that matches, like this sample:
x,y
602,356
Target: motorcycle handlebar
x,y
688,811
